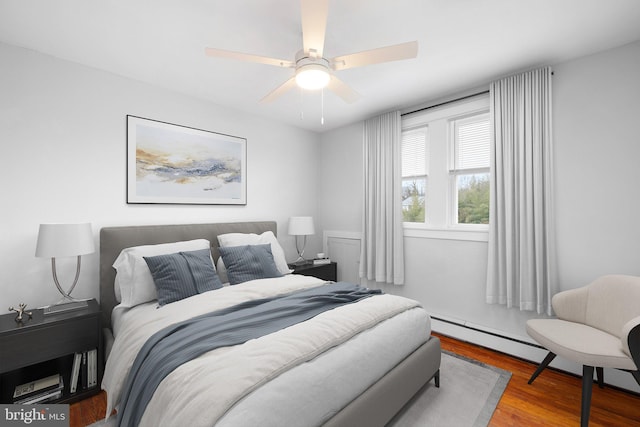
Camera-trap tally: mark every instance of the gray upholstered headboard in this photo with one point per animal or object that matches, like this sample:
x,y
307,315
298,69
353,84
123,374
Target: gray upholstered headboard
x,y
114,239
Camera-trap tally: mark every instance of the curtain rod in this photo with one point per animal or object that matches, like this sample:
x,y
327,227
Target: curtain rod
x,y
449,102
446,102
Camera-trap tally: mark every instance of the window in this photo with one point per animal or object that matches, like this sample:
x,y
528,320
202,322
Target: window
x,y
470,170
414,174
445,168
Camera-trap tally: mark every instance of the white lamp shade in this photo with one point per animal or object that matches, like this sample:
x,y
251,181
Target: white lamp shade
x,y
301,226
60,240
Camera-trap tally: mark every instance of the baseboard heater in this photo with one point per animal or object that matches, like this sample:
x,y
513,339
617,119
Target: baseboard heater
x,y
495,334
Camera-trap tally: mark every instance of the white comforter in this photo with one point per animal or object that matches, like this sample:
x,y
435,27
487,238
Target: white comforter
x,y
195,394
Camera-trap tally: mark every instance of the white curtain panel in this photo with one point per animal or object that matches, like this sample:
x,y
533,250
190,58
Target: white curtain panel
x,y
382,253
521,268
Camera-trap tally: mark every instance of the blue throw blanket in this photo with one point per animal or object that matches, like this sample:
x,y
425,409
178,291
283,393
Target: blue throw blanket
x,y
177,344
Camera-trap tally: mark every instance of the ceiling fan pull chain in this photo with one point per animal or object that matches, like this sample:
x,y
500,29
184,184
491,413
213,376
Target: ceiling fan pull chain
x,y
322,115
301,104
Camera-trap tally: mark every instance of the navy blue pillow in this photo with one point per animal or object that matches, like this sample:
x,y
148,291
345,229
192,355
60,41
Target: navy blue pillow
x,y
248,262
183,274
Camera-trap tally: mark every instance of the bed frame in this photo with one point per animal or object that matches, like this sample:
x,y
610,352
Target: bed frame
x,y
375,407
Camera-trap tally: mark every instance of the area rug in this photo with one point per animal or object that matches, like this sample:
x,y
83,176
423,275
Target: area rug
x,y
469,393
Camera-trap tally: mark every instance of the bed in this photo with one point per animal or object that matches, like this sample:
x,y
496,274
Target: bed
x,y
325,382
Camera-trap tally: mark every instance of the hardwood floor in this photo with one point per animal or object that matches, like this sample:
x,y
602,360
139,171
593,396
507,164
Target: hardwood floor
x,y
552,400
88,411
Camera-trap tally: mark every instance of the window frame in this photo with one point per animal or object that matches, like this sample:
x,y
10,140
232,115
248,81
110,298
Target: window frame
x,y
455,172
438,225
426,165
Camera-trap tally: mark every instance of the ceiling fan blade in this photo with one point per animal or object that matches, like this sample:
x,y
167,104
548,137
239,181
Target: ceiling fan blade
x,y
375,56
220,53
280,90
314,25
341,89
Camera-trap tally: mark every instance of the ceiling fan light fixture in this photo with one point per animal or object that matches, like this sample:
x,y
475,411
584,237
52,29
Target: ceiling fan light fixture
x,y
313,71
312,76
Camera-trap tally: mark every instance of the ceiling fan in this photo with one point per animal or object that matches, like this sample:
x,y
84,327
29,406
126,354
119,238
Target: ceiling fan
x,y
312,70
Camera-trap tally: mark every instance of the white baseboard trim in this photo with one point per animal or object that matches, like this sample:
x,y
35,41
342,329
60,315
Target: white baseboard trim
x,y
522,347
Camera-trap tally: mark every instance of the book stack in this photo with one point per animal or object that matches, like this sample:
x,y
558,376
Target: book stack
x,y
39,391
321,261
84,372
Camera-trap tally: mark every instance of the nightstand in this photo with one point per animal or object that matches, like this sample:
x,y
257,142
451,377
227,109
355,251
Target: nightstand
x,y
46,345
321,271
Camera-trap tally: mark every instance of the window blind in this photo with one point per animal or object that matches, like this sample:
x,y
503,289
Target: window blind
x,y
472,144
414,153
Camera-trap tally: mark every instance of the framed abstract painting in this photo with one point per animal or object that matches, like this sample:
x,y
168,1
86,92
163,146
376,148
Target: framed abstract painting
x,y
174,164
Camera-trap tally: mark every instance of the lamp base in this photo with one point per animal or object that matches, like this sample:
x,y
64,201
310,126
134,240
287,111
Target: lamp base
x,y
65,305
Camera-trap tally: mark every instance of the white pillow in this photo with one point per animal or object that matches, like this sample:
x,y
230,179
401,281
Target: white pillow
x,y
134,284
241,239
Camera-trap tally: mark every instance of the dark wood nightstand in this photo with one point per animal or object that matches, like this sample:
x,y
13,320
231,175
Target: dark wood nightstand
x,y
46,345
321,271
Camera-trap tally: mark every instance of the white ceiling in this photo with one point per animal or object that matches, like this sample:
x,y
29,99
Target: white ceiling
x,y
462,44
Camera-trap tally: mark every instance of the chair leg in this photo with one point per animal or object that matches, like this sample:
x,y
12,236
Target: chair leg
x,y
436,379
636,375
587,384
600,376
542,365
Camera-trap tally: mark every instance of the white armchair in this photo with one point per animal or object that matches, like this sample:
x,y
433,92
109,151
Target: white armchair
x,y
597,326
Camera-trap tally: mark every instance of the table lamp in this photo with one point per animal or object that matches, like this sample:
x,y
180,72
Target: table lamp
x,y
64,240
301,226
